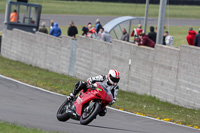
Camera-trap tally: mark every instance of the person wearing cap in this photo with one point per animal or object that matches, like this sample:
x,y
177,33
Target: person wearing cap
x,y
145,41
98,26
13,16
191,36
43,29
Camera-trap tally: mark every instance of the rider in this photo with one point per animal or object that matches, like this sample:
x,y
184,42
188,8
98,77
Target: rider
x,y
110,80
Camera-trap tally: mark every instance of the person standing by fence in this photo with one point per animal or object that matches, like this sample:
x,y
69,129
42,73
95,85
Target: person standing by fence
x,y
191,36
125,35
145,41
98,26
136,32
197,39
152,34
72,30
169,40
43,29
13,16
56,31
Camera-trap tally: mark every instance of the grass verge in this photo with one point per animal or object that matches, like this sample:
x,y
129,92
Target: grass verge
x,y
145,105
13,128
110,9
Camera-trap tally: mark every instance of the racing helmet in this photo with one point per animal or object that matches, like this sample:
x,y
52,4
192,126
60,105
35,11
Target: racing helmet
x,y
113,76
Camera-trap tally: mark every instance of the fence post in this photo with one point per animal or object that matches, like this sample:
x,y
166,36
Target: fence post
x,y
72,57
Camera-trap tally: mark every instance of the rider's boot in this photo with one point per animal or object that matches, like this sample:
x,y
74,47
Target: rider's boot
x,y
78,87
103,112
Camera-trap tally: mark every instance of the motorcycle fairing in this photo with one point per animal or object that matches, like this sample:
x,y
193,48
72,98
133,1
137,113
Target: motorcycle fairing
x,y
100,92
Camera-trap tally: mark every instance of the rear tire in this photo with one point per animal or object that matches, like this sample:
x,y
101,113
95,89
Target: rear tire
x,y
86,118
61,113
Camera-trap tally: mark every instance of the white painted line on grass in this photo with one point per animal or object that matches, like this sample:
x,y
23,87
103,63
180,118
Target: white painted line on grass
x,y
2,76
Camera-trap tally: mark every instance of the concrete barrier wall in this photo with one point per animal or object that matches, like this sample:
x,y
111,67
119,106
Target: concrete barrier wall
x,y
167,73
188,85
165,70
38,49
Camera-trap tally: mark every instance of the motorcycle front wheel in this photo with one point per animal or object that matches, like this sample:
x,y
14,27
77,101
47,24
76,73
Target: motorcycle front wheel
x,y
90,115
61,113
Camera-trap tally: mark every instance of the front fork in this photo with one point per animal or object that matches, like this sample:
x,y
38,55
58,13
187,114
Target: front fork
x,y
91,105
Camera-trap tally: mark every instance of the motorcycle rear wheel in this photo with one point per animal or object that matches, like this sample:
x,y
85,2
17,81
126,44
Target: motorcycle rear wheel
x,y
61,113
87,117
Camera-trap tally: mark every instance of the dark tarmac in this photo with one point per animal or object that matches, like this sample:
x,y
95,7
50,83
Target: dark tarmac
x,y
84,19
33,107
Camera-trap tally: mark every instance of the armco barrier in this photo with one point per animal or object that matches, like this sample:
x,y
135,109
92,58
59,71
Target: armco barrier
x,y
167,73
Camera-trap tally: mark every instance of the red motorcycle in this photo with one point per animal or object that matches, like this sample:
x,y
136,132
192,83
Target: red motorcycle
x,y
87,105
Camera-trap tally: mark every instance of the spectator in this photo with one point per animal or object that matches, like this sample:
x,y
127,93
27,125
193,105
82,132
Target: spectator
x,y
85,29
13,16
125,35
91,31
191,36
98,26
104,35
164,43
169,40
136,32
72,30
55,31
152,34
51,24
145,41
197,39
43,28
156,30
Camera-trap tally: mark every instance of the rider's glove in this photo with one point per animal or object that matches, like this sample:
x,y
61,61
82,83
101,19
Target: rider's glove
x,y
89,81
70,97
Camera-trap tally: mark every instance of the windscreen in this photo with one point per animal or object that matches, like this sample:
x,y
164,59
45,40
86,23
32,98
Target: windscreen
x,y
106,87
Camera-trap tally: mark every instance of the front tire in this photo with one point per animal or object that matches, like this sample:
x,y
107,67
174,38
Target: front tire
x,y
61,113
87,117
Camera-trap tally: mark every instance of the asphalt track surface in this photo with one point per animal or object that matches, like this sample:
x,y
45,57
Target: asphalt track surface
x,y
84,19
36,108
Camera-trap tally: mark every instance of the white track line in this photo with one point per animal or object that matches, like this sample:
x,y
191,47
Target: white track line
x,y
2,76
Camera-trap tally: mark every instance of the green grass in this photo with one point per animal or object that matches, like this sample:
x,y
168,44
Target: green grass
x,y
13,128
110,9
132,102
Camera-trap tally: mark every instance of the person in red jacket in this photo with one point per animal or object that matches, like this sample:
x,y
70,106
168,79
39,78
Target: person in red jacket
x,y
136,32
91,31
145,41
191,36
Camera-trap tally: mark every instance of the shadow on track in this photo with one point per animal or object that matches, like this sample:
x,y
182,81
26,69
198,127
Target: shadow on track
x,y
110,128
